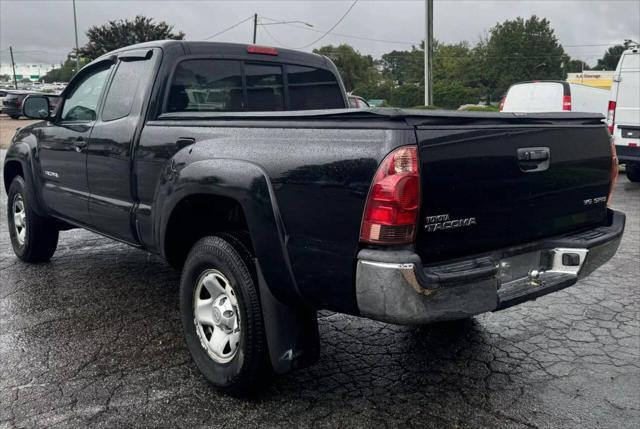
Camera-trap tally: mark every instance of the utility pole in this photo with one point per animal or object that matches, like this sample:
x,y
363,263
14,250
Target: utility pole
x,y
75,28
13,65
428,52
255,27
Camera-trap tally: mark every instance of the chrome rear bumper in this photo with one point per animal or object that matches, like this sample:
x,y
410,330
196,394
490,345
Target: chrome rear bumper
x,y
394,286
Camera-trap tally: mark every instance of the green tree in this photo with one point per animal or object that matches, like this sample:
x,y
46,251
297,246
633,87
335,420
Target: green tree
x,y
520,50
117,34
609,60
576,66
404,66
65,72
457,75
355,68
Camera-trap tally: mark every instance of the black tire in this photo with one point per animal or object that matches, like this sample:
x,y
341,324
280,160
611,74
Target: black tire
x,y
14,117
633,172
248,369
41,235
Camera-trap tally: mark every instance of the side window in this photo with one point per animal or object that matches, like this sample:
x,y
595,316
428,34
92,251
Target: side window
x,y
123,89
206,86
311,88
264,87
81,104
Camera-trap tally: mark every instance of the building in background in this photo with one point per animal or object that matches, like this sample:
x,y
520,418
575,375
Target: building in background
x,y
596,78
29,71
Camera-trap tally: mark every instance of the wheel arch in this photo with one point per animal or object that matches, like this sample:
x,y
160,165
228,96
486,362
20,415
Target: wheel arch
x,y
12,168
243,190
19,162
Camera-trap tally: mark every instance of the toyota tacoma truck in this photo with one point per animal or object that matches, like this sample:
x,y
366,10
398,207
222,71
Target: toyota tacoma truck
x,y
243,167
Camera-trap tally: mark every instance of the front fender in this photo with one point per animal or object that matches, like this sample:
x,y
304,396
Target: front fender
x,y
22,151
248,184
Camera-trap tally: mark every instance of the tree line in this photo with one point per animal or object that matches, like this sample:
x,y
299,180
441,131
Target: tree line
x,y
512,51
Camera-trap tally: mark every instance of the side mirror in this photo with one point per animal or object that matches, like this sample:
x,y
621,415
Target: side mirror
x,y
36,107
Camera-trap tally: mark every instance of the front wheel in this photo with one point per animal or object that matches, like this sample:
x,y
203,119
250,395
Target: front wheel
x,y
34,238
222,317
633,172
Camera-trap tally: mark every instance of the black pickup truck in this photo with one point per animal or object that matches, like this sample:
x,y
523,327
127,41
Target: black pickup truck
x,y
243,166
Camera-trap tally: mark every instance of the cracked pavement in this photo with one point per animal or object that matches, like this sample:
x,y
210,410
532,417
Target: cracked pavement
x,y
94,338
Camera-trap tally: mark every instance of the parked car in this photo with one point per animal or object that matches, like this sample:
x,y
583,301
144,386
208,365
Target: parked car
x,y
623,116
403,216
358,102
554,96
12,103
3,93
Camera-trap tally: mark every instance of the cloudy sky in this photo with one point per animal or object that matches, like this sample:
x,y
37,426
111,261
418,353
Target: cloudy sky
x,y
42,31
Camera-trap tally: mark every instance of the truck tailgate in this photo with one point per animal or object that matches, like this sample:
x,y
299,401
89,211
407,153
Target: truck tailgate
x,y
492,186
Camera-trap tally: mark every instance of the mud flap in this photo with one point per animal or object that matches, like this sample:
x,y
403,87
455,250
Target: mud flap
x,y
292,333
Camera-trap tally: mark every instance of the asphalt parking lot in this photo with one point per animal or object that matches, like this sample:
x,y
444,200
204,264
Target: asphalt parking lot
x,y
8,128
94,338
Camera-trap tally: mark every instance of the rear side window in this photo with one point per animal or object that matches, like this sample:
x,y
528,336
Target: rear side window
x,y
206,86
123,89
265,91
311,88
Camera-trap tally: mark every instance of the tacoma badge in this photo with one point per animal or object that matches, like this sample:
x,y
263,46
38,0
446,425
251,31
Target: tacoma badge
x,y
442,222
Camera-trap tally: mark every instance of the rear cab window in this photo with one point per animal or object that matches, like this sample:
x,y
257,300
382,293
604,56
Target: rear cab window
x,y
265,90
312,88
221,85
206,86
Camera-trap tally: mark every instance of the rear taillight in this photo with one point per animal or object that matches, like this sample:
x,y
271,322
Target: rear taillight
x,y
501,105
566,102
611,116
394,198
614,170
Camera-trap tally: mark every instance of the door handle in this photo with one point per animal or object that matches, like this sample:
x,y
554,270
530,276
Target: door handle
x,y
79,144
183,142
534,154
532,159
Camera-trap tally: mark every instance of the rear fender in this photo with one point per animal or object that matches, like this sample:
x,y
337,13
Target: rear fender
x,y
290,324
247,184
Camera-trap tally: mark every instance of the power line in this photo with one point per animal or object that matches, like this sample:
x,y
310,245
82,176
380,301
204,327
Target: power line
x,y
349,36
332,27
276,40
229,28
398,42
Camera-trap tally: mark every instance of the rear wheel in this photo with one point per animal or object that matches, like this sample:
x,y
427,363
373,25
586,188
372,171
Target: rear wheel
x,y
222,317
34,238
14,117
633,172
